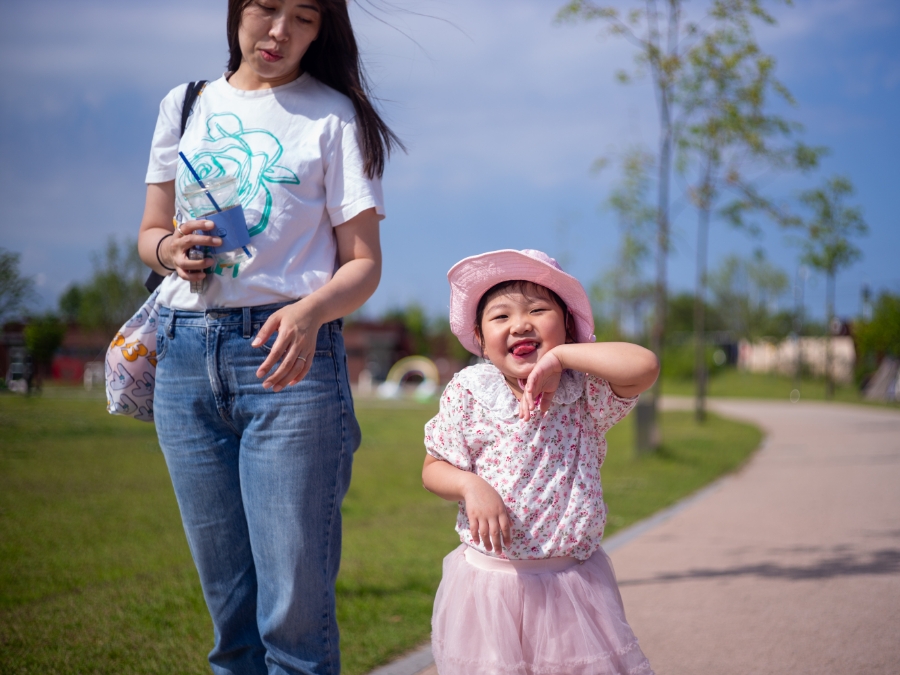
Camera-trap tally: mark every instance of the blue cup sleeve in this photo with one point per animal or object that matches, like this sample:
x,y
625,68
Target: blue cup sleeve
x,y
231,227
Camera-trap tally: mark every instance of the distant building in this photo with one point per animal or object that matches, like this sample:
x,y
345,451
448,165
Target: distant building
x,y
374,346
79,349
785,356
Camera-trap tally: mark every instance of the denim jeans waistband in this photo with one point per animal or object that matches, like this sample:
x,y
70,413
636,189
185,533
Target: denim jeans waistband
x,y
226,316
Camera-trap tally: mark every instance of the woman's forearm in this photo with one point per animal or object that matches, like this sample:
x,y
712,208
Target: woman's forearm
x,y
153,251
354,282
156,223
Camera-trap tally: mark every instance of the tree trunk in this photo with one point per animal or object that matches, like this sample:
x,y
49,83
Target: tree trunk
x,y
700,309
648,437
829,317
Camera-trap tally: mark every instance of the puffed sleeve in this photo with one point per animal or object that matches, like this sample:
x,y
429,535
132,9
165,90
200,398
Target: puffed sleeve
x,y
603,405
445,432
166,137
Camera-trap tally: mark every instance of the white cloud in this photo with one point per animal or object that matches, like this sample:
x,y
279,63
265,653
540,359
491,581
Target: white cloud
x,y
103,44
503,110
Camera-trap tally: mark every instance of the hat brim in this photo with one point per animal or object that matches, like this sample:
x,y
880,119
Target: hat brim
x,y
472,277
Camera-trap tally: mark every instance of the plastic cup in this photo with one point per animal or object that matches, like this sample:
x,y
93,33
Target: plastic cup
x,y
230,224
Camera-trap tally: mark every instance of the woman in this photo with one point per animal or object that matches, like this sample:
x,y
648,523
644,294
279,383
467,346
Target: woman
x,y
252,402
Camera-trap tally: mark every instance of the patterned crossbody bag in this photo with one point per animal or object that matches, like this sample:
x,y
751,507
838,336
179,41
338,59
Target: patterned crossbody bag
x,y
131,357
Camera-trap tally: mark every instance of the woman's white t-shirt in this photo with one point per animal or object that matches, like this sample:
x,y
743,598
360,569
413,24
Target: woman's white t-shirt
x,y
294,151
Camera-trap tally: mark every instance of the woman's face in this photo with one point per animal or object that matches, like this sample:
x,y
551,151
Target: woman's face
x,y
274,35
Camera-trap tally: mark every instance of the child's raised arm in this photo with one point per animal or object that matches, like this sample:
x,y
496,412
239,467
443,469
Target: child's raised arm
x,y
629,369
484,507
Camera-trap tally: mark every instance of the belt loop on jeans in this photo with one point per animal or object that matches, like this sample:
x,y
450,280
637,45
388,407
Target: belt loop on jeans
x,y
170,324
246,313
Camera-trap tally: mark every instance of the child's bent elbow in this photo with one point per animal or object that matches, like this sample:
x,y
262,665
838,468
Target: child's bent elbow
x,y
652,367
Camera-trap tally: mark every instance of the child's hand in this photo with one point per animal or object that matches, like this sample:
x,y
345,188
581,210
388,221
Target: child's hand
x,y
487,514
541,385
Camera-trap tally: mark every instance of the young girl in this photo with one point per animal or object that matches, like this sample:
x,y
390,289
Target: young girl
x,y
519,443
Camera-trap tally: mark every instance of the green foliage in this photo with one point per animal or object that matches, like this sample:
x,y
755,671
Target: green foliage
x,y
710,82
96,576
624,290
881,335
43,337
415,320
744,292
70,303
827,244
680,322
680,362
727,131
114,292
16,291
733,383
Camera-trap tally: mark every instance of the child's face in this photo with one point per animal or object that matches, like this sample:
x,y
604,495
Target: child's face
x,y
518,329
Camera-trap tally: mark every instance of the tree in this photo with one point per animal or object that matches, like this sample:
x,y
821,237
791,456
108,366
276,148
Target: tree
x,y
113,293
629,292
827,245
728,132
43,337
16,291
70,303
663,40
744,291
415,321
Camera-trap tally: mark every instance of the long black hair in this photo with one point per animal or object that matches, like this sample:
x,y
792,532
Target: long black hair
x,y
333,58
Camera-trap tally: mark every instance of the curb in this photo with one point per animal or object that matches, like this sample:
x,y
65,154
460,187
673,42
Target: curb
x,y
412,663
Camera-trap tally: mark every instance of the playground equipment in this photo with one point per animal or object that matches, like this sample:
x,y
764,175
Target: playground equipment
x,y
392,387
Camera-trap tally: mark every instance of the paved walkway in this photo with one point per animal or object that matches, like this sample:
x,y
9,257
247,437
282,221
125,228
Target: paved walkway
x,y
791,566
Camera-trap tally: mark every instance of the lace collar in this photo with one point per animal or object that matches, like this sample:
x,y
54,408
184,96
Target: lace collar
x,y
489,389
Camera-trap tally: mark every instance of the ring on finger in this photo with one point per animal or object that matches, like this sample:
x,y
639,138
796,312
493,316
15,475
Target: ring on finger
x,y
301,358
180,231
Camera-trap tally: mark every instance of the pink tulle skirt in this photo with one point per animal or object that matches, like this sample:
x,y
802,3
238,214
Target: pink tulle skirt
x,y
542,617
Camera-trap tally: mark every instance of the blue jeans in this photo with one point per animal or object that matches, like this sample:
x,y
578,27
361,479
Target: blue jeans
x,y
259,477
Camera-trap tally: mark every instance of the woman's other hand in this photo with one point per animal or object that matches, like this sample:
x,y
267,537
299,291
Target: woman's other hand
x,y
359,257
295,345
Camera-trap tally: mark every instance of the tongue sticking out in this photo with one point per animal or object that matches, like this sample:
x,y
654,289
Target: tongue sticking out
x,y
524,349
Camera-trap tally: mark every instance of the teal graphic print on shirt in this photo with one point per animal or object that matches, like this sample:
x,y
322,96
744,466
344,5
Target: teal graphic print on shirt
x,y
250,155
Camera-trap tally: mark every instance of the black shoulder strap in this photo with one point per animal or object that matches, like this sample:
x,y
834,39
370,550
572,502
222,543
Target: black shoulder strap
x,y
190,97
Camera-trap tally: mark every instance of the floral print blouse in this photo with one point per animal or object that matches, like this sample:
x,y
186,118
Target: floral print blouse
x,y
546,469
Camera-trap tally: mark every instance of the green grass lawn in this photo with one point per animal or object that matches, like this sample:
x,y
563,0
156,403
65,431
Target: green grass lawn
x,y
731,382
96,577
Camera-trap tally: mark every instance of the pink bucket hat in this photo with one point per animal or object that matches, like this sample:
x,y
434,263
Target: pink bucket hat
x,y
471,277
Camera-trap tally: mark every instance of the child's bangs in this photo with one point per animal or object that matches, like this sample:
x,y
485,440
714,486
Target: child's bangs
x,y
530,290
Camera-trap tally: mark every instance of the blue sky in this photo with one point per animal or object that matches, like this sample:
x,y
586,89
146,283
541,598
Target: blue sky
x,y
503,112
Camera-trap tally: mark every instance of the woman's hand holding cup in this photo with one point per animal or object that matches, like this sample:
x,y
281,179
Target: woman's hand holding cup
x,y
187,235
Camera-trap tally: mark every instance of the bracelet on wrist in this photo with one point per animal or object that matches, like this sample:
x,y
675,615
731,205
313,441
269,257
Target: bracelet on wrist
x,y
158,259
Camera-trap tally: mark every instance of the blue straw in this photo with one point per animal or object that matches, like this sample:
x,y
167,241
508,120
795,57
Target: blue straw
x,y
199,181
208,193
